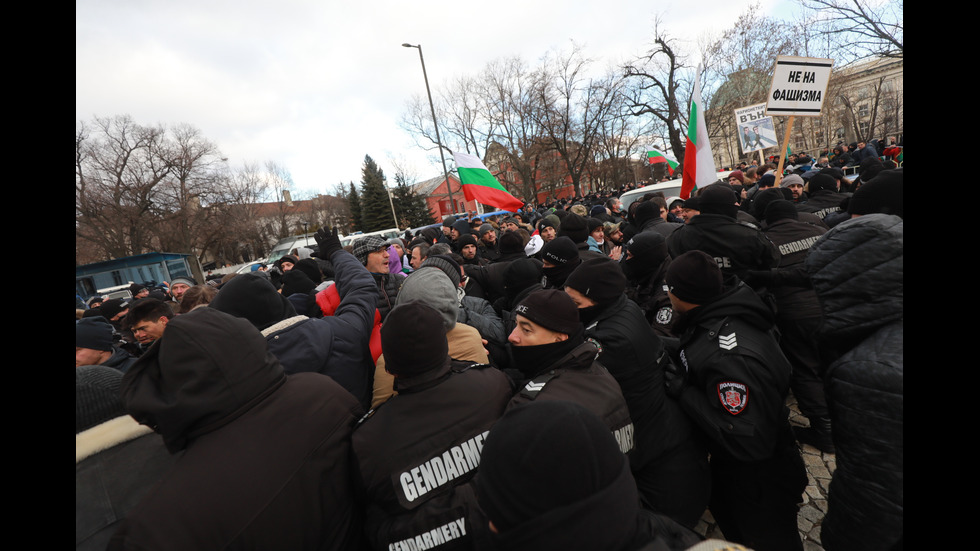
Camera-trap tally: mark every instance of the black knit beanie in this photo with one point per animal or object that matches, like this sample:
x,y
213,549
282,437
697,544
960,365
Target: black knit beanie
x,y
599,279
882,194
822,182
592,224
96,396
543,456
113,306
648,251
559,251
766,196
511,242
462,226
694,277
719,199
551,309
574,227
254,298
312,270
413,338
646,211
869,168
94,333
465,240
781,209
295,281
519,275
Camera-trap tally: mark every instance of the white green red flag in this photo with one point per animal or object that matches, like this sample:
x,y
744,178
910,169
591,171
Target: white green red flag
x,y
655,156
480,185
699,165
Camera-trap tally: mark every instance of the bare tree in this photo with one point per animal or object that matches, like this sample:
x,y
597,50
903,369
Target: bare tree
x,y
574,110
859,29
656,88
738,70
519,148
198,179
119,166
279,180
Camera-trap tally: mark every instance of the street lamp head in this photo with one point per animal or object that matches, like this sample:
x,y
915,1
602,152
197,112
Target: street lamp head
x,y
407,45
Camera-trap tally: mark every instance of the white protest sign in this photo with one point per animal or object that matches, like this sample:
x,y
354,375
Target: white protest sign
x,y
755,130
799,85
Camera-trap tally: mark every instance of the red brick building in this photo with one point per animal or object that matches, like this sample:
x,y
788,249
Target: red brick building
x,y
436,195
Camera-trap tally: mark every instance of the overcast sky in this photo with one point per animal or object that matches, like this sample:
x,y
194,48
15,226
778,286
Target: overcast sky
x,y
316,85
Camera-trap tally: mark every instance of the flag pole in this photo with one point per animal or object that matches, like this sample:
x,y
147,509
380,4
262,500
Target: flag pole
x,y
782,152
449,185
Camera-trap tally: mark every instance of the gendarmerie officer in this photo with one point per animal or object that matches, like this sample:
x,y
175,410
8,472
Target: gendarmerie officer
x,y
735,246
549,349
732,380
416,453
670,464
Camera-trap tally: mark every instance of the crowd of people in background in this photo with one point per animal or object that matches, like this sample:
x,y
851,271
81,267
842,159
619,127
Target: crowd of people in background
x,y
570,376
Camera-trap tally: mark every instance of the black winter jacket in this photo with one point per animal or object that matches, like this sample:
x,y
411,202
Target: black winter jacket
x,y
266,456
417,452
857,271
737,378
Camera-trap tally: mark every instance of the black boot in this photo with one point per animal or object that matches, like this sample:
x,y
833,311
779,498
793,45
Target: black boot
x,y
816,435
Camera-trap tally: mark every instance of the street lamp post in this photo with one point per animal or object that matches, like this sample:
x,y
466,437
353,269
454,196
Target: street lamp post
x,y
392,203
452,202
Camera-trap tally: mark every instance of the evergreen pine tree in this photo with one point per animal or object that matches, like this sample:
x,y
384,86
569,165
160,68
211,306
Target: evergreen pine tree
x,y
375,206
410,206
354,204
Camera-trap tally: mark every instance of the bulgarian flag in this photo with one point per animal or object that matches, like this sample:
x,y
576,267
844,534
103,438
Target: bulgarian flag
x,y
658,157
480,185
699,165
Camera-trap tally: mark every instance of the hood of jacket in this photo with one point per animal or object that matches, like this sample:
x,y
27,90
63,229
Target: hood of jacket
x,y
857,271
207,369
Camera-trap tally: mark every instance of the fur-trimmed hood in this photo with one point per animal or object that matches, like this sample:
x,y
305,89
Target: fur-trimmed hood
x,y
107,435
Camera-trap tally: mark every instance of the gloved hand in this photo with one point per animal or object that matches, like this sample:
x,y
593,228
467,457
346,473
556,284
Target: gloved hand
x,y
328,241
675,377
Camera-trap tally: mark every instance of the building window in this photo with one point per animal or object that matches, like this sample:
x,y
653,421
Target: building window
x,y
863,110
863,127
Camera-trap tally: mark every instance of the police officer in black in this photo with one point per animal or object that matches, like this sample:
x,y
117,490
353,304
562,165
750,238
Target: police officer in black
x,y
555,362
732,380
798,317
735,246
416,454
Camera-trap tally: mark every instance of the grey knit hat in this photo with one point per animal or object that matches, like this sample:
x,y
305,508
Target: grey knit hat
x,y
96,396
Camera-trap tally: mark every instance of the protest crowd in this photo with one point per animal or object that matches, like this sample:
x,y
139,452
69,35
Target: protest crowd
x,y
571,376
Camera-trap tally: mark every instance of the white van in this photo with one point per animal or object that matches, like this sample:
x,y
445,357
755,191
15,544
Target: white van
x,y
289,243
671,190
383,234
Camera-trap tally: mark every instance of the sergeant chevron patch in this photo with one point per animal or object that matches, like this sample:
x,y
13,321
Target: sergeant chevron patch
x,y
727,342
534,387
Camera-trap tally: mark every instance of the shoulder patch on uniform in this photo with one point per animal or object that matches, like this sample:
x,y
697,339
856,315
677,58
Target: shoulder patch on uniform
x,y
598,346
733,396
664,315
727,342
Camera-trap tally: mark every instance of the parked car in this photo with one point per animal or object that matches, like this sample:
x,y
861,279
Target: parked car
x,y
671,190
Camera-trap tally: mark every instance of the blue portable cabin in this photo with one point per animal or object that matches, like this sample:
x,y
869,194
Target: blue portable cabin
x,y
143,268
